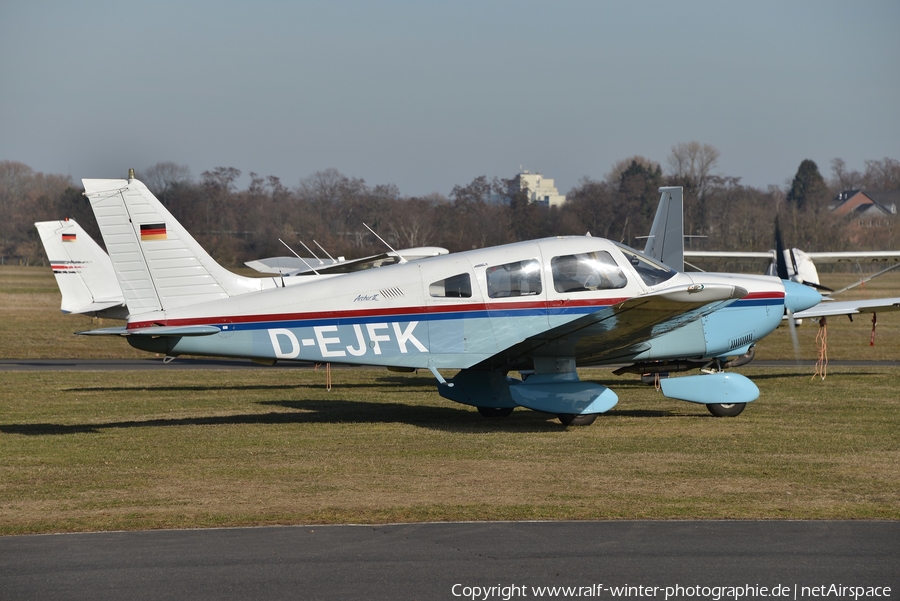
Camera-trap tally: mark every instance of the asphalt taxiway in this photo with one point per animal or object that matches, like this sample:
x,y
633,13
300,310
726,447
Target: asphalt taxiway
x,y
446,560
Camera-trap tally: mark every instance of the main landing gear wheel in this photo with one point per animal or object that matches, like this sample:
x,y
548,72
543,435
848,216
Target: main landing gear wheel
x,y
726,409
495,411
570,419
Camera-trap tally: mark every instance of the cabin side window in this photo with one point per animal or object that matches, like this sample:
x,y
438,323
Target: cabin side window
x,y
522,278
457,286
586,272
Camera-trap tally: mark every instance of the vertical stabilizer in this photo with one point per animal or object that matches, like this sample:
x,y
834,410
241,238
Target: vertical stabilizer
x,y
666,241
158,263
83,271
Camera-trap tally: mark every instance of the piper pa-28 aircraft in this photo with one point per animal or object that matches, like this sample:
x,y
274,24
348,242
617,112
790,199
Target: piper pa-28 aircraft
x,y
540,307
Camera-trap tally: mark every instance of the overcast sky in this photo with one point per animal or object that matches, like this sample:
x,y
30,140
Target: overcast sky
x,y
428,95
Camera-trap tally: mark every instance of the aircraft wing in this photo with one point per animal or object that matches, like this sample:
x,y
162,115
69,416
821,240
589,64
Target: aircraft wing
x,y
297,266
287,265
712,256
873,256
831,308
618,330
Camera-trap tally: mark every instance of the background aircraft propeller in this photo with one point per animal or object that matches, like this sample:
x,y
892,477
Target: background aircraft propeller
x,y
794,295
781,263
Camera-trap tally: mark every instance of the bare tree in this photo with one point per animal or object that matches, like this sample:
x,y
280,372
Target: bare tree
x,y
843,178
691,164
329,186
882,175
162,177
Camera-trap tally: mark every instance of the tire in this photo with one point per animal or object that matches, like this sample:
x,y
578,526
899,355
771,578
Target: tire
x,y
570,419
495,411
726,409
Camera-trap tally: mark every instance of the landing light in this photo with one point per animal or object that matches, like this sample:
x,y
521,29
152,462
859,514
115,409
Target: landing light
x,y
695,288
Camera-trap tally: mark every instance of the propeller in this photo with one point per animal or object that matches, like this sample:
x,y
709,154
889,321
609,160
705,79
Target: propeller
x,y
797,295
781,263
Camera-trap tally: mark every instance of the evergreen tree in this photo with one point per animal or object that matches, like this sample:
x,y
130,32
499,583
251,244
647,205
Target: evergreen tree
x,y
808,188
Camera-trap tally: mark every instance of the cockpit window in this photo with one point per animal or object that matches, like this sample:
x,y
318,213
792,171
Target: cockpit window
x,y
522,278
586,272
457,286
651,272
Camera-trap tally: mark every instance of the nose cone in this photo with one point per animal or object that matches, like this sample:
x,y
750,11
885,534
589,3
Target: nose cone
x,y
798,297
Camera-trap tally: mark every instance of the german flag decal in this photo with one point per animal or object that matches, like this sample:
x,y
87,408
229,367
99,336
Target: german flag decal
x,y
153,231
68,237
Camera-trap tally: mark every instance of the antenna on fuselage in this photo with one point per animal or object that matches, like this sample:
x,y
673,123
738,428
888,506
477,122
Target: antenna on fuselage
x,y
309,250
323,250
298,256
402,260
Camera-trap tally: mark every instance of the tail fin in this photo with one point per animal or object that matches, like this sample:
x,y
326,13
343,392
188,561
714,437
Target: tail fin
x,y
666,241
83,271
159,264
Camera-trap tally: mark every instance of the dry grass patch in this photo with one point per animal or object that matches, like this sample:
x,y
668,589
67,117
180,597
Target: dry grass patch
x,y
164,449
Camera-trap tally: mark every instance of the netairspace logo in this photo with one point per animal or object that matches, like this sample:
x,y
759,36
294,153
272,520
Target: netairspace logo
x,y
711,593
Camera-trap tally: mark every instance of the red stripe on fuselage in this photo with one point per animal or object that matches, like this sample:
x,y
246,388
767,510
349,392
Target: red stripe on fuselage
x,y
763,295
387,312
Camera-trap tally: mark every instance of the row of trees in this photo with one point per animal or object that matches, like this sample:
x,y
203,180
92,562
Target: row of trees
x,y
330,208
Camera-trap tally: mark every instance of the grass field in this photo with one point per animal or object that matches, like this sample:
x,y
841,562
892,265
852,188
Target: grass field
x,y
165,449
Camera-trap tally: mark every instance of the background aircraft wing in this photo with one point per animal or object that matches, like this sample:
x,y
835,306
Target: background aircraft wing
x,y
711,257
721,257
872,256
618,330
831,308
296,266
287,265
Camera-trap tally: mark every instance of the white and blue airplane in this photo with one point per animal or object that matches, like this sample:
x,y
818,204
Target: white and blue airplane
x,y
541,308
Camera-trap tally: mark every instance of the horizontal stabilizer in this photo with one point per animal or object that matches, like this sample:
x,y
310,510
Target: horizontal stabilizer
x,y
95,307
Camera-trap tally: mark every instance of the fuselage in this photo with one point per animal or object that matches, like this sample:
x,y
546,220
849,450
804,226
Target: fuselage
x,y
458,310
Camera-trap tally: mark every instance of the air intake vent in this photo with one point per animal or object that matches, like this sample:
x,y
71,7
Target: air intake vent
x,y
742,341
391,293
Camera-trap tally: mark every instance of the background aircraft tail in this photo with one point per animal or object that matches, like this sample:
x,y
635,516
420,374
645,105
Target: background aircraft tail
x,y
84,273
160,266
666,240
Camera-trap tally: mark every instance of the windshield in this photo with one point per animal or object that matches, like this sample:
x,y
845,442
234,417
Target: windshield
x,y
586,272
651,272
